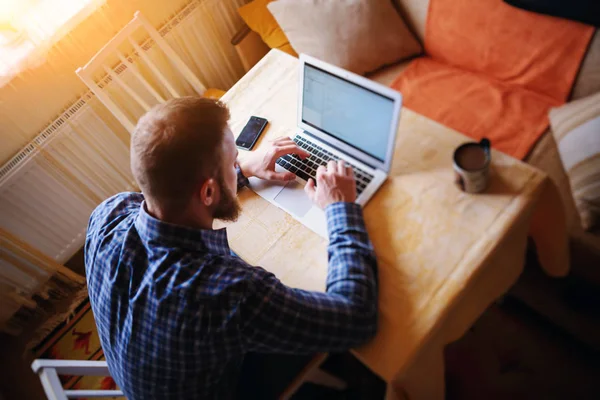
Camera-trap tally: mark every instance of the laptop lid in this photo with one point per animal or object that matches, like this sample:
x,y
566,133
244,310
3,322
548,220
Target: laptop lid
x,y
352,113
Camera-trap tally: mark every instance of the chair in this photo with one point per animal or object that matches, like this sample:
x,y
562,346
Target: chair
x,y
141,90
49,370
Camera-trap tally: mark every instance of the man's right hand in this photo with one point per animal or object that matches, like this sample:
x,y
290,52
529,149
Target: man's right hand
x,y
334,184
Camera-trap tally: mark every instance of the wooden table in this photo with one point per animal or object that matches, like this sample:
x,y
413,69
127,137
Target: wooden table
x,y
443,255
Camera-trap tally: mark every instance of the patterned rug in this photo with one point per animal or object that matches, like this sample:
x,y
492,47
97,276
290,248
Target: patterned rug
x,y
75,338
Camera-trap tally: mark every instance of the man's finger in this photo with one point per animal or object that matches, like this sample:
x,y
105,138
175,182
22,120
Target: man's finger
x,y
345,169
285,141
320,172
280,176
331,166
341,167
349,171
302,153
309,188
282,150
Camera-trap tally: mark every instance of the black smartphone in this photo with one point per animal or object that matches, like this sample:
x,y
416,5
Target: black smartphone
x,y
251,132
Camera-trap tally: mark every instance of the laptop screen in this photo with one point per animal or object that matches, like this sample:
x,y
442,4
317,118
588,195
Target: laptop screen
x,y
353,114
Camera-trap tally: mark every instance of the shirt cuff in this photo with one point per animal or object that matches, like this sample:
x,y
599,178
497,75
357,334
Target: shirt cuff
x,y
241,179
343,216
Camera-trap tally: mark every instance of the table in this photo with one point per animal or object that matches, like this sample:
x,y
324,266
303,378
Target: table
x,y
444,256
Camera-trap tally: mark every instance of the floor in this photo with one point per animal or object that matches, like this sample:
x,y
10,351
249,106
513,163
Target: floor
x,y
17,380
511,352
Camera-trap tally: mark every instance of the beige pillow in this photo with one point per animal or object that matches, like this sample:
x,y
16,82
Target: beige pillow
x,y
576,127
358,35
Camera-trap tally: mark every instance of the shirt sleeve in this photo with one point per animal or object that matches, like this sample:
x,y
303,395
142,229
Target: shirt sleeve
x,y
286,320
106,217
241,179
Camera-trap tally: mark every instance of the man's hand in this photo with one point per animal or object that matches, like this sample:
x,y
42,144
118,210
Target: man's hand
x,y
334,184
261,164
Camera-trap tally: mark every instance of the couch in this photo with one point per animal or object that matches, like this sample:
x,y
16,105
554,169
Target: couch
x,y
585,246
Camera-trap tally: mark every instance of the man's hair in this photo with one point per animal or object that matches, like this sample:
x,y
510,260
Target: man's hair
x,y
176,146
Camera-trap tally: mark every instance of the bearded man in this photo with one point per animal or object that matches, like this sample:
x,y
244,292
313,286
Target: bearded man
x,y
179,315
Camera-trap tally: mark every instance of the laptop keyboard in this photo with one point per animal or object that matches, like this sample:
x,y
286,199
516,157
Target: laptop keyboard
x,y
307,168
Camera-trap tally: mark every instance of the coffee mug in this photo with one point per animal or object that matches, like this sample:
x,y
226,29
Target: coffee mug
x,y
471,165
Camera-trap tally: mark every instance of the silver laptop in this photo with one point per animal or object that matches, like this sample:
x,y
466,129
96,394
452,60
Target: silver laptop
x,y
341,115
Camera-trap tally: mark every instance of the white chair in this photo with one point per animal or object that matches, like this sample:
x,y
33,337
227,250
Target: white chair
x,y
49,370
151,93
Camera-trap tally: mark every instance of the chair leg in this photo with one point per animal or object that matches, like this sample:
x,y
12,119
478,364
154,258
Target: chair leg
x,y
322,378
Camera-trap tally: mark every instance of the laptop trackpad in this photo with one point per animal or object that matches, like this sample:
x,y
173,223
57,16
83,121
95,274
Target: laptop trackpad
x,y
293,199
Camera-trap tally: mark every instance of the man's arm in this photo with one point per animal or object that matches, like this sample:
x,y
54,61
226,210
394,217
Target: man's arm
x,y
276,318
280,319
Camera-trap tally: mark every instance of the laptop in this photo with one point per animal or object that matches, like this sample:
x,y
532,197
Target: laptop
x,y
341,115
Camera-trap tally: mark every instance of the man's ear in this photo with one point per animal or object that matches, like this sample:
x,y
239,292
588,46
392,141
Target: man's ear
x,y
209,192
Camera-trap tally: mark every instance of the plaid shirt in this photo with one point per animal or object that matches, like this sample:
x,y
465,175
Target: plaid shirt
x,y
176,310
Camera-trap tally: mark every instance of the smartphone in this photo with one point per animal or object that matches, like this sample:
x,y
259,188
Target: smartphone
x,y
251,132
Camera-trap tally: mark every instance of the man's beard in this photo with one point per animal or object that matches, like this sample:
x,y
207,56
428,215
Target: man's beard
x,y
228,208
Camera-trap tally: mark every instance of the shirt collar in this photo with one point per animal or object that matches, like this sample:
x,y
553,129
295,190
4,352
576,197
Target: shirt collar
x,y
158,232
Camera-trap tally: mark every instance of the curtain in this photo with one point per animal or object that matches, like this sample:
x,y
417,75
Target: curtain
x,y
63,152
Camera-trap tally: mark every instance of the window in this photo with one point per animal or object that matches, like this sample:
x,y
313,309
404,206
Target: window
x,y
27,26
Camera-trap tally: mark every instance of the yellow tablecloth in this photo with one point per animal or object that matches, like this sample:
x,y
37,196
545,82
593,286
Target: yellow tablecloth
x,y
443,255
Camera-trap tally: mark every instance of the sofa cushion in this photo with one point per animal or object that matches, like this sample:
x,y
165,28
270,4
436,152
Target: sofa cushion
x,y
576,127
585,250
358,35
258,18
545,157
389,73
414,13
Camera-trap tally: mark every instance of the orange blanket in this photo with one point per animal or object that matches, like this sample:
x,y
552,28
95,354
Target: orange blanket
x,y
494,70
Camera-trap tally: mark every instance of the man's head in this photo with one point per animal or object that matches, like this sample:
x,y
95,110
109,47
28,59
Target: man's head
x,y
183,158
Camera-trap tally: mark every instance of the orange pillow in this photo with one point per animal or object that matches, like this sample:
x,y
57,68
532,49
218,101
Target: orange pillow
x,y
260,20
518,47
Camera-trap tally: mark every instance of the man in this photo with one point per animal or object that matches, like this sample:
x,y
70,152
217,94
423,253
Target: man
x,y
176,311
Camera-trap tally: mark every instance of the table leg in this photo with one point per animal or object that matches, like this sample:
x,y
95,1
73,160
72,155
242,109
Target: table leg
x,y
424,378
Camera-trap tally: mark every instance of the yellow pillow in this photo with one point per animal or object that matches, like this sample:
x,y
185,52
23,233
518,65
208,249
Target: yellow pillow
x,y
260,20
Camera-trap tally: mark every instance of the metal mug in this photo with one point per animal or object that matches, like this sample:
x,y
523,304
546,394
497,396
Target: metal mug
x,y
472,164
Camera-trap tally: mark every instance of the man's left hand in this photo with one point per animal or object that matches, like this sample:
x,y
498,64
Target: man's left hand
x,y
261,163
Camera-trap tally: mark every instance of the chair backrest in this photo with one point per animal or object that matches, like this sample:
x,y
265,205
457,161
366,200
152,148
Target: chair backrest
x,y
100,61
49,370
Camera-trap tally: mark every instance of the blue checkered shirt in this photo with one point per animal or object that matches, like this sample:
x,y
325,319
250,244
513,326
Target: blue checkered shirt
x,y
177,311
